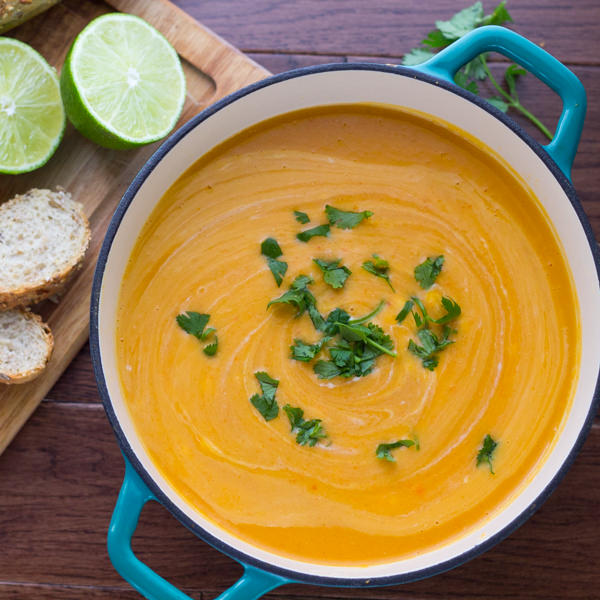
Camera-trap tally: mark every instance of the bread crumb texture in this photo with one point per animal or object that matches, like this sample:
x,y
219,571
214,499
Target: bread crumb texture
x,y
43,238
25,346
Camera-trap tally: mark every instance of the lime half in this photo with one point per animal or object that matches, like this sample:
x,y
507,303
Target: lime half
x,y
122,82
32,119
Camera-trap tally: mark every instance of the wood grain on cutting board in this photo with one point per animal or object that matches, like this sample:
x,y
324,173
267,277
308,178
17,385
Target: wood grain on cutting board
x,y
98,177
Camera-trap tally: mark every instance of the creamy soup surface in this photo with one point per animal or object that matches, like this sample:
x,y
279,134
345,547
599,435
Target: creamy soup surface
x,y
511,372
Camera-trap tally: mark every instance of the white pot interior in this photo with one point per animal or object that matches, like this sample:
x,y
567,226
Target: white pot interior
x,y
353,86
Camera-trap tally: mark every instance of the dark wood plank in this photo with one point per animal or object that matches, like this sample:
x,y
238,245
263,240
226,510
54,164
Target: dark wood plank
x,y
61,476
387,27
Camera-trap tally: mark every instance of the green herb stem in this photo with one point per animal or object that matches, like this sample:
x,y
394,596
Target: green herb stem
x,y
514,102
368,317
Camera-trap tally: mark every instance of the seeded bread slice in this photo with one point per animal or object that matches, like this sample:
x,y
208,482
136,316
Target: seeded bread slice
x,y
43,239
25,345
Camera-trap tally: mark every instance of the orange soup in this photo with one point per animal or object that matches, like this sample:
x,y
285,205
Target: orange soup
x,y
331,491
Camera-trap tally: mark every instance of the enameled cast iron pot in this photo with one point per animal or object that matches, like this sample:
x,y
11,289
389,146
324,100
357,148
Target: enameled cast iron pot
x,y
428,88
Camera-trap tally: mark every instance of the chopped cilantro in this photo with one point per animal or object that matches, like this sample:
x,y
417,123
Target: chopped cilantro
x,y
346,219
301,217
432,345
194,323
485,453
378,267
452,308
271,249
405,310
333,274
308,234
211,349
426,273
308,433
278,268
306,352
302,298
383,451
266,404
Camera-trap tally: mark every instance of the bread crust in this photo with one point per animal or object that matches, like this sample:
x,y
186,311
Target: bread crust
x,y
31,294
25,376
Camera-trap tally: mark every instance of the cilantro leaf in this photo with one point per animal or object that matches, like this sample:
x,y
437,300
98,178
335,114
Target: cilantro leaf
x,y
278,268
378,267
405,310
427,272
452,308
302,298
452,311
211,349
266,404
462,22
270,248
333,274
485,453
306,352
498,103
193,322
308,234
268,385
434,39
510,76
416,56
326,369
431,346
308,433
301,217
499,16
383,451
345,219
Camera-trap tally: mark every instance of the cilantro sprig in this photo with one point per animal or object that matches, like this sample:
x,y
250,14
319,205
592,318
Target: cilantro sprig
x,y
344,219
309,234
427,272
195,324
334,274
383,451
303,299
301,217
266,404
485,454
272,251
379,267
356,347
304,352
308,433
477,70
431,344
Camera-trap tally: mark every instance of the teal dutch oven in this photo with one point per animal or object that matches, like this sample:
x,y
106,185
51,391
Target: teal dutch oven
x,y
428,88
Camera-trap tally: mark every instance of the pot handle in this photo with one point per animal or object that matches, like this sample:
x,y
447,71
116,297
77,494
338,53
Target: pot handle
x,y
133,496
543,65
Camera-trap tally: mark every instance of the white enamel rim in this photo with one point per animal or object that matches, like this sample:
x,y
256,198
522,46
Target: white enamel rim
x,y
341,84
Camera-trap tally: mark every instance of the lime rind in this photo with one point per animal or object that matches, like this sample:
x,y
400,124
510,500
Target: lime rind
x,y
122,83
32,118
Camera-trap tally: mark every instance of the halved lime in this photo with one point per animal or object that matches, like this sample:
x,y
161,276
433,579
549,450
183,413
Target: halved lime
x,y
32,119
122,82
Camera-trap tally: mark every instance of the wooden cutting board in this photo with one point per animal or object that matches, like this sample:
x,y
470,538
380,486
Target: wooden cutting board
x,y
98,177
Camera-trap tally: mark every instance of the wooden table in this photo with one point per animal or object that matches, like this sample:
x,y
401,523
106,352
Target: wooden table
x,y
60,477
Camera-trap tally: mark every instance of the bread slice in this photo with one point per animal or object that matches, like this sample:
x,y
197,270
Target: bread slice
x,y
43,239
25,346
